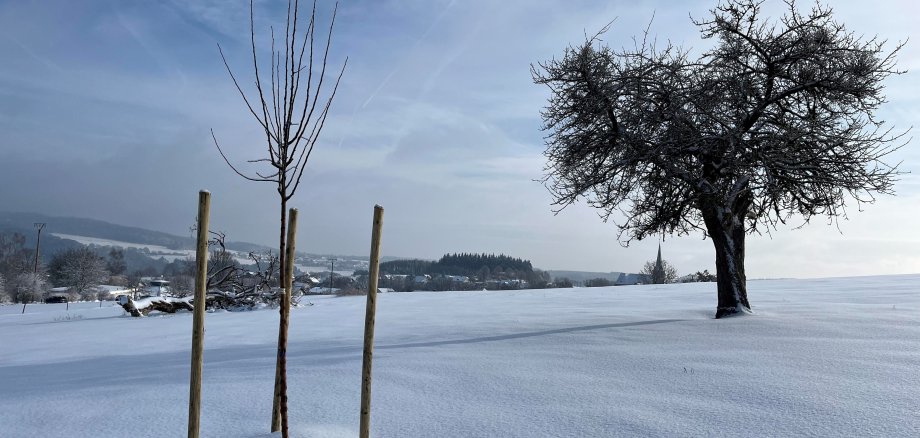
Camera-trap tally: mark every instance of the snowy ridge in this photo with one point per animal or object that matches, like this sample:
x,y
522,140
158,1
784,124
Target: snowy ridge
x,y
155,251
823,357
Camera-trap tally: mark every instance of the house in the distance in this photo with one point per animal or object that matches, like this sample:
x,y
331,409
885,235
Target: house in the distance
x,y
109,292
155,286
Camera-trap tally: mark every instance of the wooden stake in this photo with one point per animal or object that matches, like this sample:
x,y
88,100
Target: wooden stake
x,y
279,415
373,274
201,277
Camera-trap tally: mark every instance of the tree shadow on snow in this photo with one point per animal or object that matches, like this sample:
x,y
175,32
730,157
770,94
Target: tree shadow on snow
x,y
153,369
524,335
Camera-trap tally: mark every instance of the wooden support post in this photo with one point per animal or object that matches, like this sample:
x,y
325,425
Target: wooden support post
x,y
370,313
279,415
201,278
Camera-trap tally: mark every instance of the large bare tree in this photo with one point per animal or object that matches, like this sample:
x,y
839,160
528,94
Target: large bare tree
x,y
80,269
290,109
15,262
776,120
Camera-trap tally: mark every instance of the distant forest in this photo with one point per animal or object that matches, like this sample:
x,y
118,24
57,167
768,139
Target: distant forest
x,y
471,265
482,271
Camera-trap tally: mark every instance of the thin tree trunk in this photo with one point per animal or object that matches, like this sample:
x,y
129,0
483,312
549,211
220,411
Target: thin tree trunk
x,y
281,361
287,282
727,233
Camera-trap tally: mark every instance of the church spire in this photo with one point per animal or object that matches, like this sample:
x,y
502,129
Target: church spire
x,y
658,275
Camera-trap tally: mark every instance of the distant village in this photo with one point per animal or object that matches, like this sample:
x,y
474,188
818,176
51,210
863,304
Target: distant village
x,y
84,269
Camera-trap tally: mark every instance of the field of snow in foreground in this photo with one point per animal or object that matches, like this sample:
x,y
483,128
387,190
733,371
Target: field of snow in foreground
x,y
824,357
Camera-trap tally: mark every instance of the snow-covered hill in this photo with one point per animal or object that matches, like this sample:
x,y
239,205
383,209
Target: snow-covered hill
x,y
154,251
825,357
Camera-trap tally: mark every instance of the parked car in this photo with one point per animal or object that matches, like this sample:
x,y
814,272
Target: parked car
x,y
55,299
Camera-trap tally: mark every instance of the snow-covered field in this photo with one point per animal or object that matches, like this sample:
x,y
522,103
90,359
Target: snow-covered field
x,y
154,251
84,240
825,357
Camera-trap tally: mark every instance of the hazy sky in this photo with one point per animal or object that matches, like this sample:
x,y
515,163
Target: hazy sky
x,y
106,107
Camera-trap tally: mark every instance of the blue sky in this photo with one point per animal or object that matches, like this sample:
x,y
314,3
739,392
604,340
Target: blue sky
x,y
106,109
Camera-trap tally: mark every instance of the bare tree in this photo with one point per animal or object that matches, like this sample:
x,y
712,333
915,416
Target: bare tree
x,y
776,120
116,263
15,261
15,258
655,272
223,269
3,296
80,269
27,287
291,114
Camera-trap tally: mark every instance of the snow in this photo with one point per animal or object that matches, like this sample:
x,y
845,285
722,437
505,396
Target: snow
x,y
156,251
823,357
84,240
143,303
307,268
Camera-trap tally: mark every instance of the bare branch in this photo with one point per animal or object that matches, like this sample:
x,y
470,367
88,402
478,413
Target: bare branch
x,y
242,94
231,164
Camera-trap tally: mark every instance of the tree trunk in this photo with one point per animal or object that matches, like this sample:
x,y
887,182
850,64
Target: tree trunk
x,y
279,410
160,304
726,228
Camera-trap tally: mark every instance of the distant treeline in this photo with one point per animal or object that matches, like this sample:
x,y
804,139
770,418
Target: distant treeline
x,y
406,267
473,265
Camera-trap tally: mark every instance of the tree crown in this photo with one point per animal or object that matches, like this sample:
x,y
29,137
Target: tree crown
x,y
777,119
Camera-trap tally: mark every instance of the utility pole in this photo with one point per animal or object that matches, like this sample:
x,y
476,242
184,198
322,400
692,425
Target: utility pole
x,y
39,226
38,242
331,273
